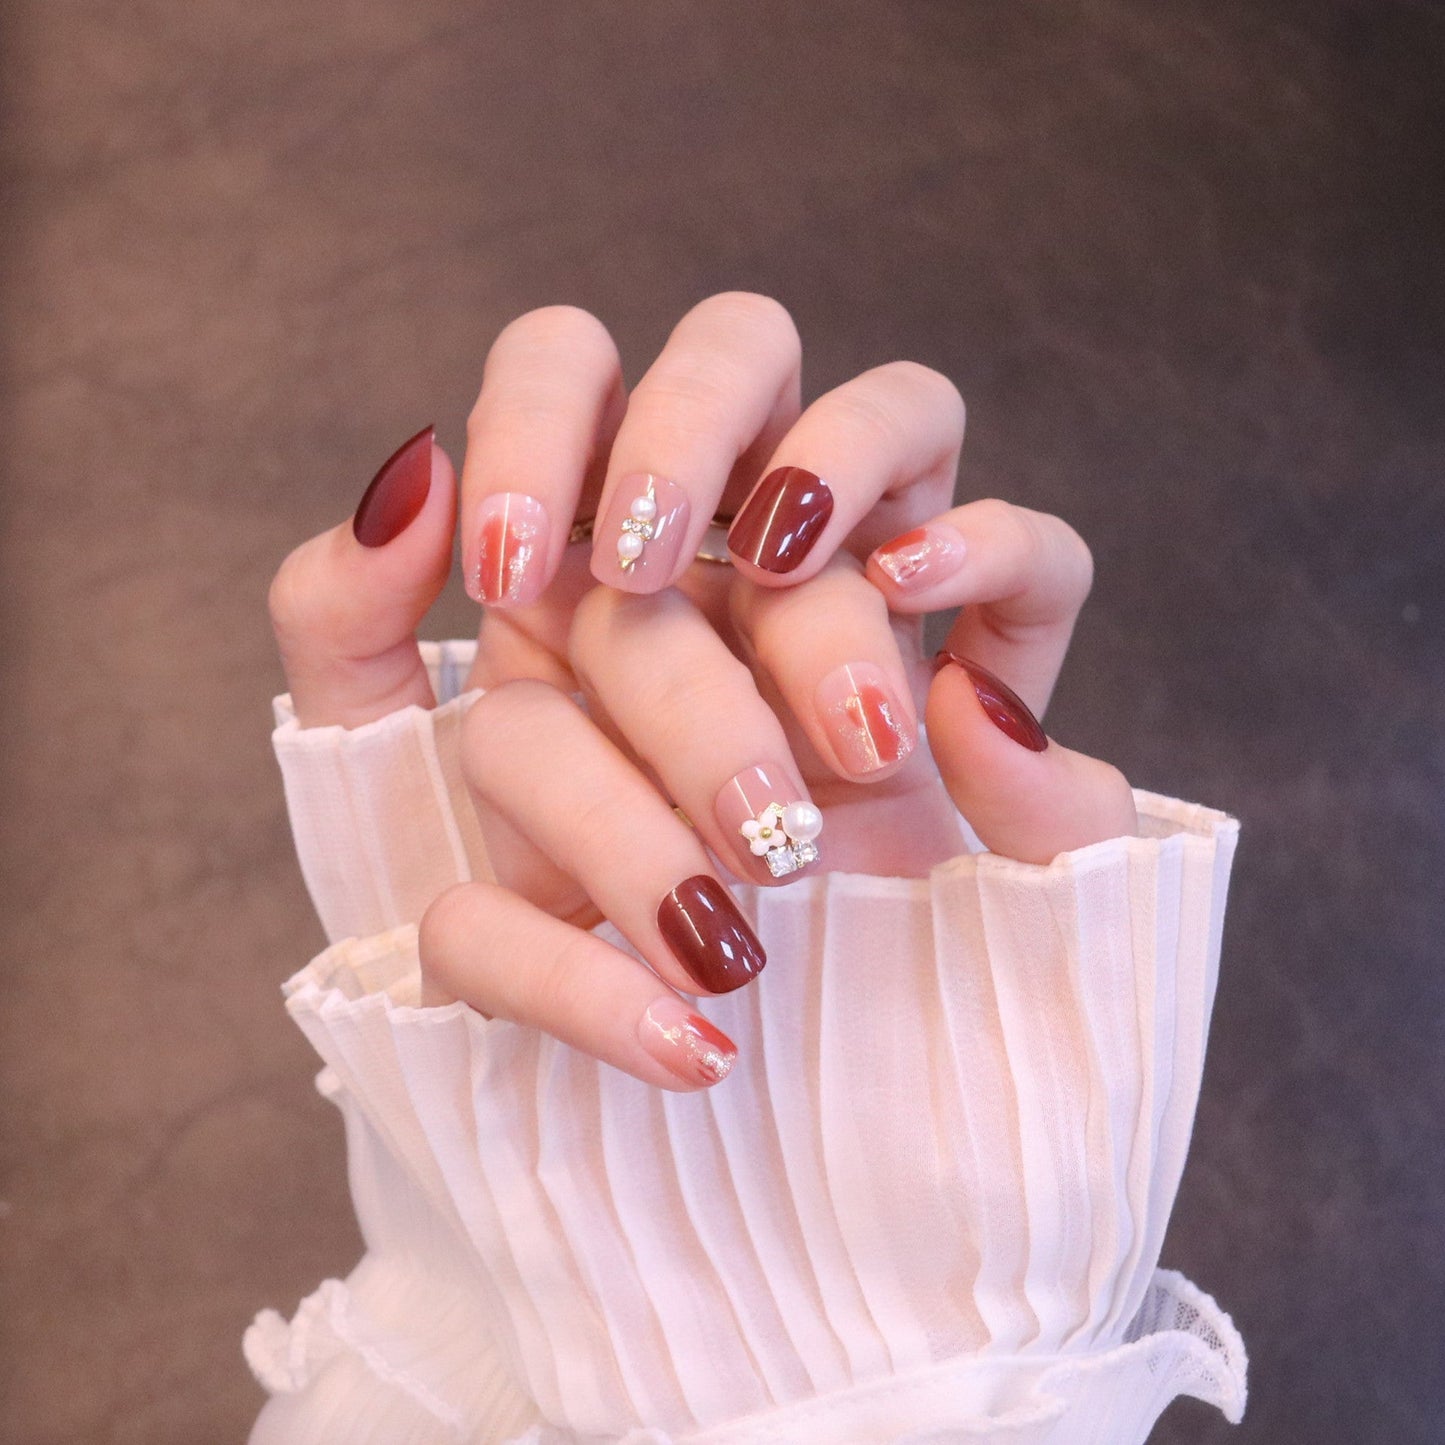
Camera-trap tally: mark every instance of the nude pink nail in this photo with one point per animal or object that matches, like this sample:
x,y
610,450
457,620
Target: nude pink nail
x,y
920,558
506,569
637,542
682,1041
772,825
865,720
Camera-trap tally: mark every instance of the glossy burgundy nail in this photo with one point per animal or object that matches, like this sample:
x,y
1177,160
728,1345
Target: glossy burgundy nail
x,y
701,924
685,1043
784,516
1005,708
397,492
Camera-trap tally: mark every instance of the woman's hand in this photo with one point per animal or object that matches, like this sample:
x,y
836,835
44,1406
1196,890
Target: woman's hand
x,y
782,683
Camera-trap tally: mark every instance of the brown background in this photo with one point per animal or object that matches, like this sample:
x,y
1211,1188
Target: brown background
x,y
1183,260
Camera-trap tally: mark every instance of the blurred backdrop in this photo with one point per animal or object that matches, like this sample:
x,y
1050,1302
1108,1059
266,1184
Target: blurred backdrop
x,y
1183,257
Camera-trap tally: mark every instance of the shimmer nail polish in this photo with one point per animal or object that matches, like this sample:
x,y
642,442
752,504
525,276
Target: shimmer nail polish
x,y
919,558
511,550
397,492
1005,708
782,519
637,543
864,719
682,1041
703,927
767,817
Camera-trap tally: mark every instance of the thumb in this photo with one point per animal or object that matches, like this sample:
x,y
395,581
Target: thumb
x,y
1025,796
346,604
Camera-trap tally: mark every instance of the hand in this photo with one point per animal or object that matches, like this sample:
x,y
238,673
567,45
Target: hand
x,y
823,713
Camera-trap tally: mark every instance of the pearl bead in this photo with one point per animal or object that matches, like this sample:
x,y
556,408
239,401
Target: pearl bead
x,y
802,821
644,508
629,546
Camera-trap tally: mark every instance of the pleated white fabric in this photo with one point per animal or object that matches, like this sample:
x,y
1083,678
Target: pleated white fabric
x,y
927,1205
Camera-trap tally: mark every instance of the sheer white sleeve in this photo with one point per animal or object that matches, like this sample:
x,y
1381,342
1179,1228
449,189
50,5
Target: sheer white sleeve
x,y
927,1205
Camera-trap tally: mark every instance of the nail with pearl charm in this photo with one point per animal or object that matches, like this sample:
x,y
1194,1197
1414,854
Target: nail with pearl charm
x,y
776,839
638,539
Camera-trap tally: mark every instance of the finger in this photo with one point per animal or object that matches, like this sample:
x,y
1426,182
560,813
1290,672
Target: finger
x,y
551,398
883,447
345,605
1021,577
493,950
689,709
831,652
1025,796
721,393
529,752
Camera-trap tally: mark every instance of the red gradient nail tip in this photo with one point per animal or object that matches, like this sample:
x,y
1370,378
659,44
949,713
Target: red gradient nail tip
x,y
397,492
781,521
920,558
1005,708
685,1043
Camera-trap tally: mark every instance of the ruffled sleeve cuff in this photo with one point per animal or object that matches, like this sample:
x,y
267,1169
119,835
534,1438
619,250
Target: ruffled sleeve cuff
x,y
928,1203
380,814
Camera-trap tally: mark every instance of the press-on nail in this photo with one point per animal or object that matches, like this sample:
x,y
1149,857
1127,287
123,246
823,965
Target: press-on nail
x,y
767,817
511,551
920,558
396,493
864,718
708,934
1005,708
637,543
782,520
684,1042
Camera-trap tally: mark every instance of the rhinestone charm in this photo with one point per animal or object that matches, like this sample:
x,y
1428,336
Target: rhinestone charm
x,y
637,528
783,836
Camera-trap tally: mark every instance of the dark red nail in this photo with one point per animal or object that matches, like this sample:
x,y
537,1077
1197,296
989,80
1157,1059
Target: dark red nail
x,y
397,492
1005,708
701,924
782,519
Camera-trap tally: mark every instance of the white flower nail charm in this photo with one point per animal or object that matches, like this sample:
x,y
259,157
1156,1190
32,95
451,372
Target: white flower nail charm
x,y
783,836
637,528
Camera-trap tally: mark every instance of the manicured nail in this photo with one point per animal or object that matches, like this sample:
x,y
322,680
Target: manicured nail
x,y
397,492
701,924
1005,708
637,543
784,516
511,551
864,718
767,817
920,558
685,1043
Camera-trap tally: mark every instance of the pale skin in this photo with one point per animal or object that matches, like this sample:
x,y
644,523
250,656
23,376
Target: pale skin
x,y
694,672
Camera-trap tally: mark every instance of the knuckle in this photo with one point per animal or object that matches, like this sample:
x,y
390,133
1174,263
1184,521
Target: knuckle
x,y
553,326
937,390
442,926
755,312
298,608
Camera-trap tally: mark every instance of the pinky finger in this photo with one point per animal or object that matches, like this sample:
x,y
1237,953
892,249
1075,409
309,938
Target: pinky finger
x,y
1024,795
492,949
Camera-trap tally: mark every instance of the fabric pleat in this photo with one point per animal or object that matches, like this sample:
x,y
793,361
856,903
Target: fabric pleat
x,y
928,1204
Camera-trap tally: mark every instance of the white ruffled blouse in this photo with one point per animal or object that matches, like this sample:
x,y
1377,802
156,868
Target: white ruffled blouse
x,y
926,1206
